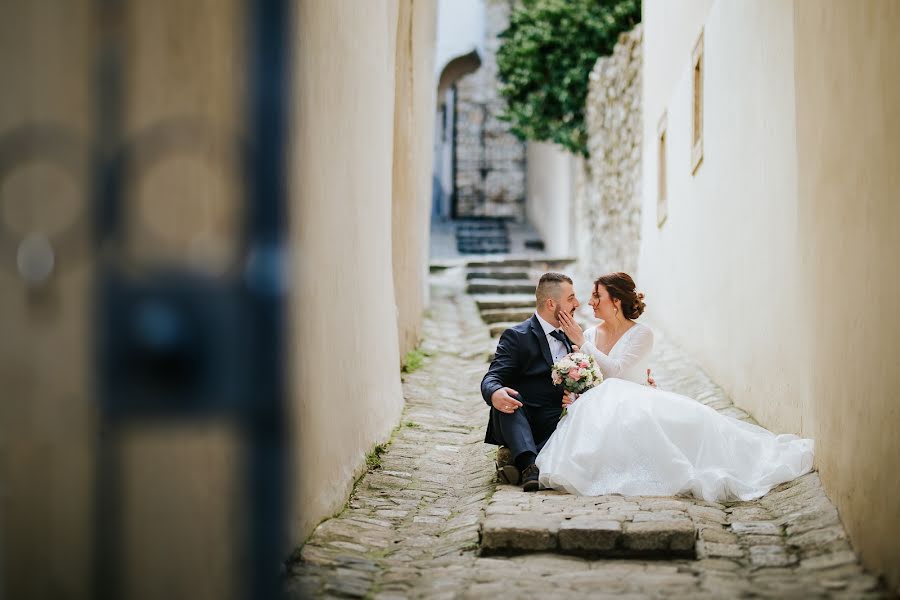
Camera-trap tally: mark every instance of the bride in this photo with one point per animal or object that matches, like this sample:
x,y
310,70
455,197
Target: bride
x,y
623,437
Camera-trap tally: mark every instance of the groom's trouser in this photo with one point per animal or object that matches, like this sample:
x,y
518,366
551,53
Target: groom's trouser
x,y
522,431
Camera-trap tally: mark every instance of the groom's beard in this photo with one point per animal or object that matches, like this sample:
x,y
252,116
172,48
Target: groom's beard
x,y
558,311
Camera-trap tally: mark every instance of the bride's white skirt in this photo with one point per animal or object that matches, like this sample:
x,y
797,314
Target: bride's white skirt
x,y
630,439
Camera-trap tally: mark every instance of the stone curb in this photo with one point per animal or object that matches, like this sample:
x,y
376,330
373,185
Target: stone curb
x,y
587,535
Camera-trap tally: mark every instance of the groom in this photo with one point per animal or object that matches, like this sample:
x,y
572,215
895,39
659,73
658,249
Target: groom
x,y
525,405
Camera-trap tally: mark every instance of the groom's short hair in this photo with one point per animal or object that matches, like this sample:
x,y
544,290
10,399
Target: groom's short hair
x,y
548,286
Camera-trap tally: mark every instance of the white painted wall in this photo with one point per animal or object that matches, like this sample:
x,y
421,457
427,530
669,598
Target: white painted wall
x,y
775,266
460,30
718,271
549,201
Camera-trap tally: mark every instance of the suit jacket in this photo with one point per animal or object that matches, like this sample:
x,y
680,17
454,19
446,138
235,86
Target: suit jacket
x,y
523,362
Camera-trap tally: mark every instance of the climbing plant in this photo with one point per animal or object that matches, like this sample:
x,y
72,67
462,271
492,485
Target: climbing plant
x,y
545,59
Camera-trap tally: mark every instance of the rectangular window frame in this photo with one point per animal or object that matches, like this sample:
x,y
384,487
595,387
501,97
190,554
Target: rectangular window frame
x,y
662,188
697,67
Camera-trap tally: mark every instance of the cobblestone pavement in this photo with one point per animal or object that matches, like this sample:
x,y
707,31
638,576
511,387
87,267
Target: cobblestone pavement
x,y
412,527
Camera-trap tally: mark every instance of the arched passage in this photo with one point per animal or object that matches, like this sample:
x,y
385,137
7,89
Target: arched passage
x,y
444,142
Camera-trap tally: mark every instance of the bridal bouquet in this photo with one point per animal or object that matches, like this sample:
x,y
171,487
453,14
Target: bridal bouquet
x,y
576,372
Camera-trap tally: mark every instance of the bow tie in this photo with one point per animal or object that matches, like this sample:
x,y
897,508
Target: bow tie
x,y
563,338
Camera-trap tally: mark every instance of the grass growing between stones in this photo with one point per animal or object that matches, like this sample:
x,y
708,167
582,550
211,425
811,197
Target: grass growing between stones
x,y
373,462
373,457
414,360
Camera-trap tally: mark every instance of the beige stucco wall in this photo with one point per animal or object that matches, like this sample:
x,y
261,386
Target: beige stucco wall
x,y
413,143
46,407
771,266
342,202
847,60
186,61
549,195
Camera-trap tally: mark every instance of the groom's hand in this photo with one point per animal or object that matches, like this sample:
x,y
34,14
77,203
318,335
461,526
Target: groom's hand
x,y
568,398
505,401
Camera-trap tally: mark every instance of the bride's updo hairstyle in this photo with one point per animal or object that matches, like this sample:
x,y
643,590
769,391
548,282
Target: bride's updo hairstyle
x,y
621,287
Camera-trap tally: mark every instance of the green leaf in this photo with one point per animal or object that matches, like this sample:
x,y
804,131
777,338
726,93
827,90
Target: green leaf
x,y
546,57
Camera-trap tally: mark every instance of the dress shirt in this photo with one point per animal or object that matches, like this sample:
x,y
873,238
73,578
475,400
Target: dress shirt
x,y
557,348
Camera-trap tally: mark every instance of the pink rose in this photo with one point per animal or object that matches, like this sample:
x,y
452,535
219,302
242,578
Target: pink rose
x,y
574,374
583,364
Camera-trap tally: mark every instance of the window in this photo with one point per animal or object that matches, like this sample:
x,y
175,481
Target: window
x,y
662,209
697,120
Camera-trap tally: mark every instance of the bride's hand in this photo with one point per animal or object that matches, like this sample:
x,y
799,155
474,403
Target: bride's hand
x,y
572,329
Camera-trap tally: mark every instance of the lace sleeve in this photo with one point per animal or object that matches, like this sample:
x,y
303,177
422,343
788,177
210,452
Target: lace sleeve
x,y
637,346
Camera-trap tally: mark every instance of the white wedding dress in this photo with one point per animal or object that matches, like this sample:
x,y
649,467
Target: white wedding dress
x,y
625,437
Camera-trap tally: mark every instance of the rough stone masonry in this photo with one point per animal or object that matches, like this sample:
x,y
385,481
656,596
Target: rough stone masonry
x,y
490,161
608,183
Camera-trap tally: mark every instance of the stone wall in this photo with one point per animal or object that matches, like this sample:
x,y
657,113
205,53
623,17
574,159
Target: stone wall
x,y
490,161
608,184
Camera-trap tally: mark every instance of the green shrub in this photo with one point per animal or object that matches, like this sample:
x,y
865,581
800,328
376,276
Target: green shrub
x,y
545,59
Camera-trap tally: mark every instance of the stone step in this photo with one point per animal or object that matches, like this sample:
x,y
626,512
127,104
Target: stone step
x,y
505,301
485,242
482,240
483,233
587,535
499,327
507,315
499,262
485,224
482,222
534,263
481,251
498,273
538,263
605,527
495,286
482,248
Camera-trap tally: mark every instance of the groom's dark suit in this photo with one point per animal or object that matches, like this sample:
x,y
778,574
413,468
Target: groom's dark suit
x,y
523,362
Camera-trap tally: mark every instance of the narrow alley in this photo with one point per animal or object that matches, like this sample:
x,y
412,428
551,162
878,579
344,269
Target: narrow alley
x,y
428,520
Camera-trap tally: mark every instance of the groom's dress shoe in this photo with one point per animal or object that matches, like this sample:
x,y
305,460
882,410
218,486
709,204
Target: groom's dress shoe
x,y
506,470
530,478
509,474
504,457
